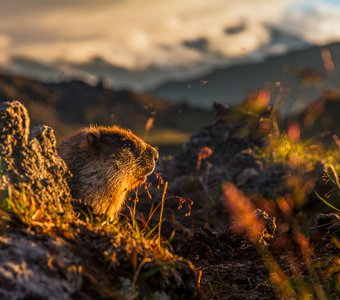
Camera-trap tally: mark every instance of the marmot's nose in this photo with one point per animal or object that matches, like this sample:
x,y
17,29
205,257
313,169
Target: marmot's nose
x,y
156,155
153,153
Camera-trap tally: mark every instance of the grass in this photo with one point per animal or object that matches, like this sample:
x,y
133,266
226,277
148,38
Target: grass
x,y
134,259
303,154
333,178
128,242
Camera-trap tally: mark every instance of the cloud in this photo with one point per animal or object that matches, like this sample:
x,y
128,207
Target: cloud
x,y
4,45
316,22
176,37
4,41
134,33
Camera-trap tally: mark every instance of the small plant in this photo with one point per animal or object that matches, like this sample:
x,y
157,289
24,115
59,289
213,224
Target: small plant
x,y
23,207
330,180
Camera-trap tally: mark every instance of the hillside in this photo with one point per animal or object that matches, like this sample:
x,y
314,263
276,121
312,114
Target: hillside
x,y
67,106
301,74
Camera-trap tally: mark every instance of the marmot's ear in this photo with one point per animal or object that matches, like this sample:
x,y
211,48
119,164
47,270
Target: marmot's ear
x,y
92,138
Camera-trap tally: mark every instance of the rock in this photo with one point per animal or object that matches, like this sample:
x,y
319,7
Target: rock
x,y
325,220
246,175
324,225
32,168
33,267
234,140
33,185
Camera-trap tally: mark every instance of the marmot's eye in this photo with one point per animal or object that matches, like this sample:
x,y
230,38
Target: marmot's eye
x,y
128,144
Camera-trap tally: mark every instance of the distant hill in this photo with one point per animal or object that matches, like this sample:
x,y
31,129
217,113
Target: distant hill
x,y
67,106
300,76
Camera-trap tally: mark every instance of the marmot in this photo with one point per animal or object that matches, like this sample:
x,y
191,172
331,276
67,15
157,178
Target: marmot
x,y
106,162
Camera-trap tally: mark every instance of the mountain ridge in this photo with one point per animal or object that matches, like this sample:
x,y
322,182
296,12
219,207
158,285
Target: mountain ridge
x,y
231,85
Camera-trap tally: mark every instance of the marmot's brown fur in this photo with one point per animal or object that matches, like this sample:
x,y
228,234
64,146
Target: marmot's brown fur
x,y
106,162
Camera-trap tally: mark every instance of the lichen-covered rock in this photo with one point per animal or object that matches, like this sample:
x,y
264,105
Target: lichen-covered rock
x,y
31,165
33,184
33,267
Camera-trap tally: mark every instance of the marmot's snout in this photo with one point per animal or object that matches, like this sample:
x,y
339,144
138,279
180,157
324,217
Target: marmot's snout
x,y
147,163
152,152
151,155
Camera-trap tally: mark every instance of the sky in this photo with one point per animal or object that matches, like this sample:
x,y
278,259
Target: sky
x,y
173,38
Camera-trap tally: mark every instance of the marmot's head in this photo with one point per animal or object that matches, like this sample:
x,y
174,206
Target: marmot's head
x,y
125,154
106,162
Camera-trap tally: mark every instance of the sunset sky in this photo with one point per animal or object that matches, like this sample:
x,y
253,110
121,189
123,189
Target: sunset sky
x,y
177,36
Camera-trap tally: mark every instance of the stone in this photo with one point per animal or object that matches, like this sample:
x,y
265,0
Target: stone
x,y
37,267
30,164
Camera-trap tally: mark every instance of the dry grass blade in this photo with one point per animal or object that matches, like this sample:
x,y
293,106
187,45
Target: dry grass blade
x,y
161,214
